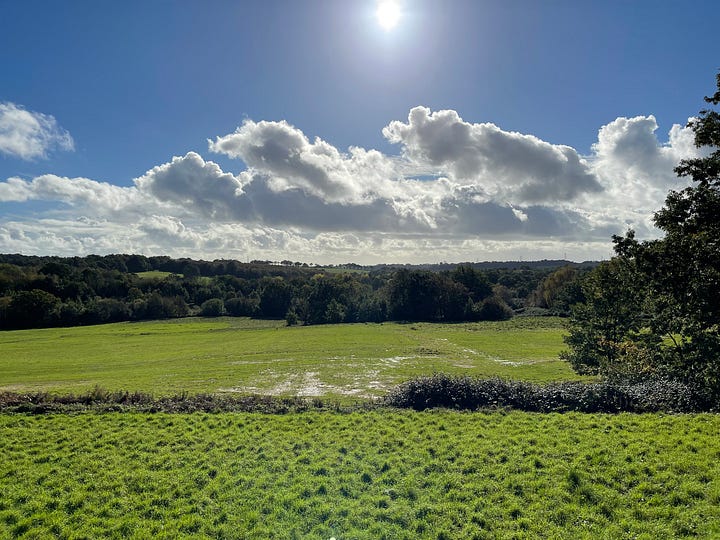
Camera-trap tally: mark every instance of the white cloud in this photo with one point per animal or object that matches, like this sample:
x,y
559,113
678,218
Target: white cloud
x,y
164,235
193,183
628,149
289,160
458,191
30,135
508,166
73,191
637,169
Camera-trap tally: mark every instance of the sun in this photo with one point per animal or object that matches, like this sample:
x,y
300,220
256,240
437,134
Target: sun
x,y
388,14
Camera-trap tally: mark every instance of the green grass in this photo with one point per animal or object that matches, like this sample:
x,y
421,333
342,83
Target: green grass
x,y
319,475
256,356
155,274
360,476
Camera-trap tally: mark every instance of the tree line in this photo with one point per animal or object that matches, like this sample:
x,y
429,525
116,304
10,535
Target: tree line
x,y
66,291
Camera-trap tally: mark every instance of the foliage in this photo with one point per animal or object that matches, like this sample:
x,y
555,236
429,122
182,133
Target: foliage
x,y
611,316
242,306
475,281
291,317
683,268
31,308
359,476
667,297
214,307
100,399
494,308
439,390
275,297
90,290
463,392
559,291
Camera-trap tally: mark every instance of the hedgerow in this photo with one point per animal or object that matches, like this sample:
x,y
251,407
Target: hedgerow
x,y
463,392
436,391
100,399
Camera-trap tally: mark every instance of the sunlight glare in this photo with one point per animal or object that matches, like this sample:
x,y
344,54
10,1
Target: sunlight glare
x,y
388,14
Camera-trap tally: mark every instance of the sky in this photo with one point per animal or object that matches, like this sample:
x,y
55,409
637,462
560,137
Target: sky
x,y
316,131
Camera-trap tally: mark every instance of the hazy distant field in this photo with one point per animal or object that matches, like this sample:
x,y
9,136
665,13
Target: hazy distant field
x,y
256,356
370,475
155,274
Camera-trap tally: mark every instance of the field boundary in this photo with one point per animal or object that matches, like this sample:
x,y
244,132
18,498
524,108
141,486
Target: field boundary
x,y
438,391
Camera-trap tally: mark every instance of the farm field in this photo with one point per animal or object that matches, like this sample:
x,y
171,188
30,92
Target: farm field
x,y
363,475
154,274
264,356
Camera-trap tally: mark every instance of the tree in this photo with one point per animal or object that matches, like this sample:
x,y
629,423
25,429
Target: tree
x,y
683,268
414,295
475,281
275,297
212,308
494,308
672,295
31,309
557,291
611,317
103,310
242,306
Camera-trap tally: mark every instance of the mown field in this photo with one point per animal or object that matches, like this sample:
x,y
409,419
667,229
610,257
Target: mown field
x,y
257,356
360,476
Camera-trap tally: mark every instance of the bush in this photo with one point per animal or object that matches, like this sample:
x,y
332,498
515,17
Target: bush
x,y
494,309
100,399
242,306
104,310
291,318
31,309
442,390
212,308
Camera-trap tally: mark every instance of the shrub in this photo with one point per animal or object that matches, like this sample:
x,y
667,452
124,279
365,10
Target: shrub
x,y
291,318
242,306
212,308
494,309
442,390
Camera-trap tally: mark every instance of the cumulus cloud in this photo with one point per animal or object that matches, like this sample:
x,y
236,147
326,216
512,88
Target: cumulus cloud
x,y
628,148
511,166
30,135
456,191
82,192
289,160
192,182
637,169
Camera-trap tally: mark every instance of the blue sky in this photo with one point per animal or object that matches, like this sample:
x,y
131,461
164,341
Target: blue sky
x,y
472,130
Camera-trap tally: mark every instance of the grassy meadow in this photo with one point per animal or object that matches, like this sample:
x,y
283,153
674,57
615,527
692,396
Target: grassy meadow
x,y
154,274
370,475
259,356
381,473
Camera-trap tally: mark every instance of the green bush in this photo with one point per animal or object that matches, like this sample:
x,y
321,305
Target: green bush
x,y
494,309
447,391
212,308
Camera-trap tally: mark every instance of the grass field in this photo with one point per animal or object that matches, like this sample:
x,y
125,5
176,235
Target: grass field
x,y
360,476
320,475
256,356
155,274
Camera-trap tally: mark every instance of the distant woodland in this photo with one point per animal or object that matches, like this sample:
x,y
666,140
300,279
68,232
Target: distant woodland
x,y
56,291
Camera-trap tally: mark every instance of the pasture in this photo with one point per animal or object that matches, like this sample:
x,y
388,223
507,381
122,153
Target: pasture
x,y
370,475
382,473
264,356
